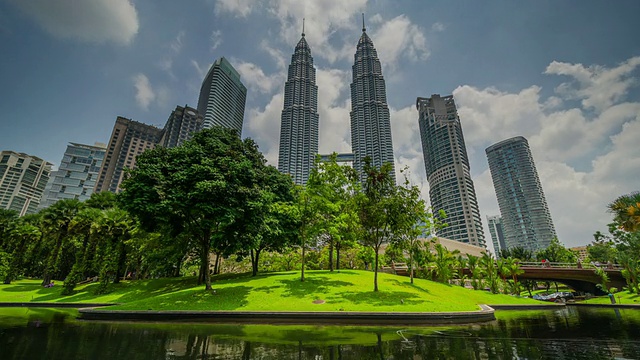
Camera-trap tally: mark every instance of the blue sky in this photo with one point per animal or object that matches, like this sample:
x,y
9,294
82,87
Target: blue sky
x,y
564,74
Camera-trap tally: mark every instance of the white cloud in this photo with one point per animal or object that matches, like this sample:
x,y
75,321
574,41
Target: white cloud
x,y
398,37
241,8
144,92
254,77
263,126
335,124
91,21
438,27
216,39
597,86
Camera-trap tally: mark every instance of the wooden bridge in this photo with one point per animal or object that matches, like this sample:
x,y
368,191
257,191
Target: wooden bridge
x,y
578,277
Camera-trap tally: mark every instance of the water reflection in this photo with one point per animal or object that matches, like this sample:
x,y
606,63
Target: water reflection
x,y
571,333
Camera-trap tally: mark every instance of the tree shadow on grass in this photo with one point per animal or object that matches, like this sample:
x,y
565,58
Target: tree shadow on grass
x,y
226,298
316,284
408,285
383,298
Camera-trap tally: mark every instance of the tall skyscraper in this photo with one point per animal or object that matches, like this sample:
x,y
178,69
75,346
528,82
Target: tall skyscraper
x,y
525,214
299,120
77,174
370,124
222,97
183,122
22,181
497,233
448,171
128,140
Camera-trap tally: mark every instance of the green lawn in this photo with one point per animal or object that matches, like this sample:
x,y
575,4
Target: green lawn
x,y
622,297
348,290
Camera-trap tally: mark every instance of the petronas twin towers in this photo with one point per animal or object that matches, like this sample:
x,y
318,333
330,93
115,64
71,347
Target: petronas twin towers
x,y
370,124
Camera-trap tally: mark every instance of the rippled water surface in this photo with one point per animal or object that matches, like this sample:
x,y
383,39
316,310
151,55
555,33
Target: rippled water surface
x,y
571,333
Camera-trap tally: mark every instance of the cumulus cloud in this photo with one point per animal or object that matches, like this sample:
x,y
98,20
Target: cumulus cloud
x,y
253,76
397,37
597,86
144,92
263,125
91,21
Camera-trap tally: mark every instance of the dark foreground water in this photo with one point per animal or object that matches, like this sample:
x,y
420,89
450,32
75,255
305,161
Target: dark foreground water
x,y
552,334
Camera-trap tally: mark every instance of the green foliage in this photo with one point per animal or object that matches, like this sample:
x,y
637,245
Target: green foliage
x,y
626,211
557,253
602,250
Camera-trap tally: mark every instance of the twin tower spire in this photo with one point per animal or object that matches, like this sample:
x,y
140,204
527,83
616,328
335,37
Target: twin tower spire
x,y
370,123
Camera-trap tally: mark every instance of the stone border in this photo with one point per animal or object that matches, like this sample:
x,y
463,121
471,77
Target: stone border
x,y
548,306
53,305
616,306
303,317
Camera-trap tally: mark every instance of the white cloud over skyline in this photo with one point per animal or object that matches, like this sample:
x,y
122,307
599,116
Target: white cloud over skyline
x,y
92,21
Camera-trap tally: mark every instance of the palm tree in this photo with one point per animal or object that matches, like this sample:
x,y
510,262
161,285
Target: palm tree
x,y
443,263
22,234
490,271
55,227
626,211
114,227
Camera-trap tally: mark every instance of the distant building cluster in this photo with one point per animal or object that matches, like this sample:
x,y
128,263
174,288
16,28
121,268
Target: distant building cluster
x,y
28,184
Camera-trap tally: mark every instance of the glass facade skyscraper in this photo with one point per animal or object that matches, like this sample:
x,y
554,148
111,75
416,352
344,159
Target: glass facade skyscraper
x,y
299,119
370,123
182,123
77,174
497,233
448,171
222,97
525,215
23,179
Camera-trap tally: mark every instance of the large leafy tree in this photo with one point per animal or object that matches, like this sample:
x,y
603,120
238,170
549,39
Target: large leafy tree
x,y
556,252
333,187
198,189
376,209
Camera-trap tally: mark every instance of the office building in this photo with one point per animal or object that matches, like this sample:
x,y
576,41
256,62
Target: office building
x,y
77,174
128,139
370,123
299,119
222,97
497,233
448,171
183,122
525,214
22,181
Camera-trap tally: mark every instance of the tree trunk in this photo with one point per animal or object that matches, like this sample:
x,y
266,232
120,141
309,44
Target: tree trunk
x,y
375,271
337,256
204,258
255,257
122,261
411,265
303,243
330,254
216,264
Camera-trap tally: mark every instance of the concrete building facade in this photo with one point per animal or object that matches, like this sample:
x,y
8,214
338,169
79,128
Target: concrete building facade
x,y
128,140
183,122
77,174
525,215
448,172
23,179
370,121
299,119
222,97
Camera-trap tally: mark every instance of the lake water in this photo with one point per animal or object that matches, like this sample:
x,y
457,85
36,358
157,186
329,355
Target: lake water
x,y
570,333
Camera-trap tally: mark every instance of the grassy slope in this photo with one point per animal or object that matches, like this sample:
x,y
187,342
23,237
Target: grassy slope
x,y
345,290
622,297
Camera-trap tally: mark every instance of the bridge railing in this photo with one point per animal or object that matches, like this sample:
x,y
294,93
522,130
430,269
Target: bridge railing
x,y
556,265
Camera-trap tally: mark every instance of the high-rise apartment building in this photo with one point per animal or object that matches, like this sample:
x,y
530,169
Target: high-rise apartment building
x,y
128,140
525,214
183,122
77,174
370,123
222,97
299,119
22,181
448,171
497,233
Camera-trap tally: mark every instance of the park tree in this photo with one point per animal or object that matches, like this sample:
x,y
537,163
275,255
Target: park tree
x,y
556,253
602,249
57,240
376,209
8,219
626,211
198,189
23,233
333,187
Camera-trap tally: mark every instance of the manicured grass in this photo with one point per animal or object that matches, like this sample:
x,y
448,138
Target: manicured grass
x,y
622,297
348,290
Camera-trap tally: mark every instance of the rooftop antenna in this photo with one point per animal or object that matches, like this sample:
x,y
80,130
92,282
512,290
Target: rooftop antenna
x,y
363,28
302,26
